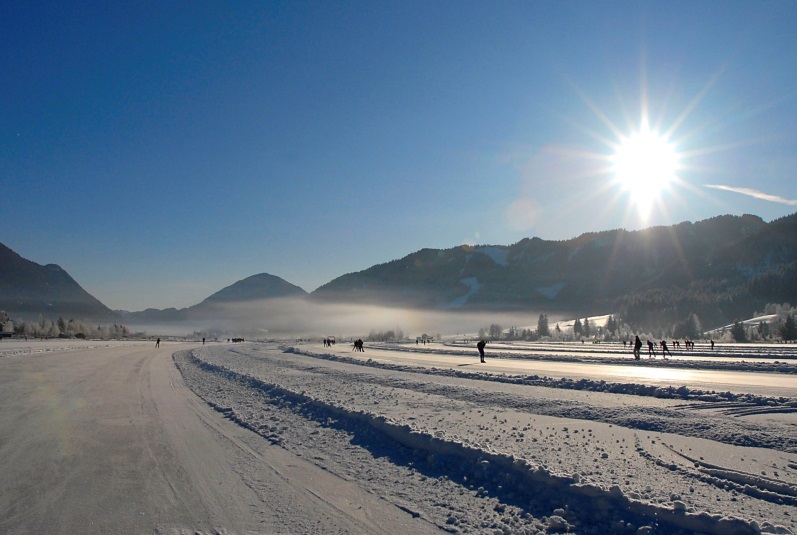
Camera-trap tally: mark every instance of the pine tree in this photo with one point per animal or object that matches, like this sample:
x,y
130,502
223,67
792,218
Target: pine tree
x,y
788,331
738,332
611,325
542,326
763,330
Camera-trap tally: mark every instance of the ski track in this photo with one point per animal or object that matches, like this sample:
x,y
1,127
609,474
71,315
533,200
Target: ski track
x,y
484,453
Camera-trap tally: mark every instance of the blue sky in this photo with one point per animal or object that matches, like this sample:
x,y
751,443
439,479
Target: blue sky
x,y
160,151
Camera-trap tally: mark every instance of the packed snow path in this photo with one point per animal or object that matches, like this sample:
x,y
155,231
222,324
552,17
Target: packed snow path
x,y
477,452
104,437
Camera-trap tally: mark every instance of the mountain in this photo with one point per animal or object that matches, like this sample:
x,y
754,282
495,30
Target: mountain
x,y
720,269
717,268
254,288
223,304
28,289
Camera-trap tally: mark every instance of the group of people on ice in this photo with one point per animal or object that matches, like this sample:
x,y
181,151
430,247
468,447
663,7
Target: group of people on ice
x,y
637,347
651,348
358,345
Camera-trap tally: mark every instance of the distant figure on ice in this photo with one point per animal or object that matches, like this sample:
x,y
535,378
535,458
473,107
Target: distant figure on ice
x,y
203,341
664,349
712,345
637,347
358,345
651,350
158,342
480,347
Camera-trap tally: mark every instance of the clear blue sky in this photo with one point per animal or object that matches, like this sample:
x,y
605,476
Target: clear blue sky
x,y
160,151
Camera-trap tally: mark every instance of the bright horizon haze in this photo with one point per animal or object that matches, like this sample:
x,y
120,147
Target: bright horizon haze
x,y
160,153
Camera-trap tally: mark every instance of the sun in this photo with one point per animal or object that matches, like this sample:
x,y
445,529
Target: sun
x,y
644,164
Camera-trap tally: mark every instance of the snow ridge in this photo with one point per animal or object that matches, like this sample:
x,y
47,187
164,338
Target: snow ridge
x,y
499,475
732,403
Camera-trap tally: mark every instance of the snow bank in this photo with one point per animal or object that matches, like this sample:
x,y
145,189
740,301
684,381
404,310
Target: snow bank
x,y
472,454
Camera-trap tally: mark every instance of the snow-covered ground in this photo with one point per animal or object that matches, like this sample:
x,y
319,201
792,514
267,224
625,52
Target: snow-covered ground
x,y
475,448
18,347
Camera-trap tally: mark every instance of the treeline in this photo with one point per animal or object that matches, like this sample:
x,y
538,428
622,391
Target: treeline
x,y
61,328
779,325
613,329
782,328
712,300
659,309
385,336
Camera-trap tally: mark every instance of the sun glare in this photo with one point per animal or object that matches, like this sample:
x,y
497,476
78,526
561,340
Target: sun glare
x,y
644,164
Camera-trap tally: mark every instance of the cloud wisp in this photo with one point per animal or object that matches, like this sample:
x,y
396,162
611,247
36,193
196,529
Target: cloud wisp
x,y
750,192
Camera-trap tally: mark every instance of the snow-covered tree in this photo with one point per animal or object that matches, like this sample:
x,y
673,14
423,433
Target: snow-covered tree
x,y
495,331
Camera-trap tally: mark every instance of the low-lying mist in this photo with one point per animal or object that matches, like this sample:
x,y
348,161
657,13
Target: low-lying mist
x,y
298,318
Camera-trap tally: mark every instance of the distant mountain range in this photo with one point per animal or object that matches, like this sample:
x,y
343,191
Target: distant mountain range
x,y
28,289
221,303
721,269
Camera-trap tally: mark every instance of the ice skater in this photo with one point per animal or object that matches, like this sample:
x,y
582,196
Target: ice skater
x,y
480,347
651,350
664,349
158,342
637,347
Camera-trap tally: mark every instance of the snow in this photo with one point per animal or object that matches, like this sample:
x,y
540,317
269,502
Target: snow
x,y
19,347
484,448
752,322
473,287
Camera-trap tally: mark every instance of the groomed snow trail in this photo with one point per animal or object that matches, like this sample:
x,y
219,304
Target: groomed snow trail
x,y
479,454
108,439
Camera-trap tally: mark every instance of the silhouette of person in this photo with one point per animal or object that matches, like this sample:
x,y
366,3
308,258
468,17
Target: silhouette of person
x,y
637,347
651,350
480,347
664,349
158,342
